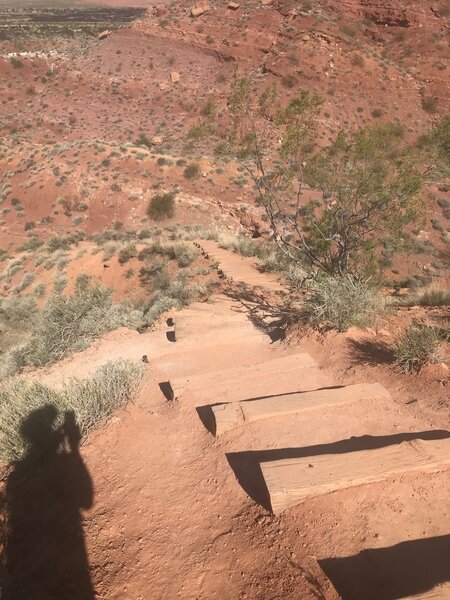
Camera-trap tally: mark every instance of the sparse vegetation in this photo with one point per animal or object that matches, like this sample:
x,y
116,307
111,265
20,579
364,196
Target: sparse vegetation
x,y
90,400
69,323
370,181
433,297
344,302
417,346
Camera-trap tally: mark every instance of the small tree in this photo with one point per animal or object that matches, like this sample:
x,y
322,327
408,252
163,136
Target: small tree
x,y
161,206
369,181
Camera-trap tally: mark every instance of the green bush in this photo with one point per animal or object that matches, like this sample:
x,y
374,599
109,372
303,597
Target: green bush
x,y
417,346
16,62
161,206
91,400
430,104
69,323
344,302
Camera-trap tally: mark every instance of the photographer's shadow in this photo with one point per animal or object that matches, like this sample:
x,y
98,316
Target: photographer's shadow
x,y
45,555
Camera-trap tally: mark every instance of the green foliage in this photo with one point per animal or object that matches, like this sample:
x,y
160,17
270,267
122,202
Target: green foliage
x,y
344,302
370,182
370,187
161,206
417,346
90,400
16,62
69,323
143,140
191,171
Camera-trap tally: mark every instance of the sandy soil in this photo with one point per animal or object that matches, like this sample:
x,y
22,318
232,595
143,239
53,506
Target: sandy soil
x,y
176,512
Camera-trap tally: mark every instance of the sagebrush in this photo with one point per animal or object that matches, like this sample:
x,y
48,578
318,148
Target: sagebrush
x,y
417,346
344,302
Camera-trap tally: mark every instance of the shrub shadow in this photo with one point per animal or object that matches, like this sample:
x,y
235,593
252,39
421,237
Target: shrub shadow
x,y
372,352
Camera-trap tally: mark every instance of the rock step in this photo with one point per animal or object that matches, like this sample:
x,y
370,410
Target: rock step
x,y
235,414
294,480
199,338
291,373
187,324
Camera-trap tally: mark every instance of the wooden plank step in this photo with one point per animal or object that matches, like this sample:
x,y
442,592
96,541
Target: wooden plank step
x,y
235,414
222,336
256,377
294,480
211,356
440,592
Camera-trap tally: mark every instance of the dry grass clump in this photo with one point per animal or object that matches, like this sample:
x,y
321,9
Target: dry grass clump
x,y
174,294
344,302
433,297
69,323
183,253
417,346
90,400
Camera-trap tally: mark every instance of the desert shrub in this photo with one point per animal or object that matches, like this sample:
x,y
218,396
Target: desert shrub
x,y
69,323
344,302
161,206
417,346
16,62
143,140
127,252
174,294
429,104
240,244
191,171
183,253
17,316
33,243
26,282
91,401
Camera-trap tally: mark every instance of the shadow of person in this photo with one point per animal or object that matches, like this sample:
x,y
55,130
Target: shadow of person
x,y
45,554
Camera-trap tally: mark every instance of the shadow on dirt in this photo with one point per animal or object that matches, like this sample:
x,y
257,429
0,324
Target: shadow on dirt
x,y
400,571
246,465
42,536
372,352
264,309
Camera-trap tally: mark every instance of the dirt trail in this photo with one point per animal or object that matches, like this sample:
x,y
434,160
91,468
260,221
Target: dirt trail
x,y
179,513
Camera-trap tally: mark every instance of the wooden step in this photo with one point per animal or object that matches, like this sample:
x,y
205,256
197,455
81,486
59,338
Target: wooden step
x,y
294,372
294,480
235,414
209,356
440,592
